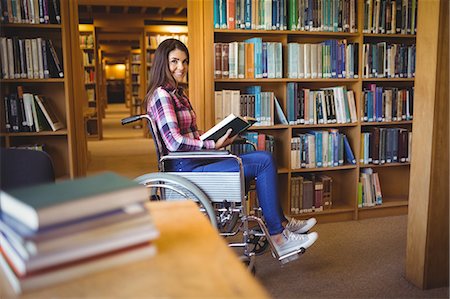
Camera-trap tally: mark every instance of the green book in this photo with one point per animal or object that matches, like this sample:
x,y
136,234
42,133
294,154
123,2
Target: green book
x,y
50,204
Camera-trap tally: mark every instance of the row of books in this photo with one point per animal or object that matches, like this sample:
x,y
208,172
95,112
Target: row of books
x,y
321,148
252,58
258,141
89,76
31,58
135,68
385,145
136,58
390,16
88,58
135,79
387,60
386,104
87,41
328,59
323,106
369,189
30,11
258,104
311,193
44,240
25,112
304,15
153,41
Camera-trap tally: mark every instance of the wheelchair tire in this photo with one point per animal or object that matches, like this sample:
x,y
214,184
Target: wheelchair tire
x,y
180,185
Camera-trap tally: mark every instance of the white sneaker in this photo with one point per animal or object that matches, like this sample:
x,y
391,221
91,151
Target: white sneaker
x,y
300,226
293,242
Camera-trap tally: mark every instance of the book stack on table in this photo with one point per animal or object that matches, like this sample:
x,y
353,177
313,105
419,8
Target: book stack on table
x,y
56,232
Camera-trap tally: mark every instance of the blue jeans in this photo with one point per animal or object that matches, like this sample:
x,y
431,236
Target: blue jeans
x,y
259,165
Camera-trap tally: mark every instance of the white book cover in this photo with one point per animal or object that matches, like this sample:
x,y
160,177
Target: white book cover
x,y
292,60
226,102
233,60
27,103
307,61
319,61
40,58
270,60
9,43
314,63
218,104
278,60
301,61
235,102
34,52
4,58
352,106
29,56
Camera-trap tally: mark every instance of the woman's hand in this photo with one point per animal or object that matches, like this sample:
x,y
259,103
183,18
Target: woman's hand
x,y
225,140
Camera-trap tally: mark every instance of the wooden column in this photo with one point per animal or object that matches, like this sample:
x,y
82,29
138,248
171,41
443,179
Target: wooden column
x,y
197,60
428,222
79,147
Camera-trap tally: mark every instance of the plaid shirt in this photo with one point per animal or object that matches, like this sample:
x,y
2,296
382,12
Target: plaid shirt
x,y
171,111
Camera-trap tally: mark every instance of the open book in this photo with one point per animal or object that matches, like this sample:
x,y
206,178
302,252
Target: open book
x,y
237,123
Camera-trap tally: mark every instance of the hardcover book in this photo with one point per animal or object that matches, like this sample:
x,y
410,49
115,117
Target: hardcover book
x,y
236,123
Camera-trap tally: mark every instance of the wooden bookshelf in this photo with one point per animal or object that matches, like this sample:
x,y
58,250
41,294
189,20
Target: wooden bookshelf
x,y
345,178
88,46
137,79
60,145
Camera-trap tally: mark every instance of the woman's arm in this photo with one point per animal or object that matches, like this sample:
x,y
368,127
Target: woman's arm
x,y
163,112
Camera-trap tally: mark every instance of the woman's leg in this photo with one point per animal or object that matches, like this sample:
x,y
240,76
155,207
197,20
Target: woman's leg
x,y
259,165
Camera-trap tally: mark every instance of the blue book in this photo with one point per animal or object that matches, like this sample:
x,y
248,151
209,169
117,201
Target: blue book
x,y
248,14
335,143
223,14
334,59
319,149
348,151
379,103
279,113
256,90
291,115
258,49
264,60
370,106
216,14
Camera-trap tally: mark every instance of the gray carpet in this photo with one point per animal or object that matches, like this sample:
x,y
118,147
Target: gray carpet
x,y
354,259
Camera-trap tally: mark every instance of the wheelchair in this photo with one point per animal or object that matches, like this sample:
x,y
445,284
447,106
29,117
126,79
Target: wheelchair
x,y
221,196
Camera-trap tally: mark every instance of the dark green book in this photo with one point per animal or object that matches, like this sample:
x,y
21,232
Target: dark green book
x,y
50,204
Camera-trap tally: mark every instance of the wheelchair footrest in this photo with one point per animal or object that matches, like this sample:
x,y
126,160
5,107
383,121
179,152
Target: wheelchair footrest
x,y
292,256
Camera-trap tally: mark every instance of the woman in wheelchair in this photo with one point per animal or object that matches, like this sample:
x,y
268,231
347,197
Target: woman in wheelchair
x,y
170,109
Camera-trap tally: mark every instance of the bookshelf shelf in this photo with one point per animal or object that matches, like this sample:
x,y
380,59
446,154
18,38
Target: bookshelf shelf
x,y
384,165
385,35
56,92
38,26
44,133
285,80
345,178
285,32
388,79
91,63
388,204
386,123
49,80
319,169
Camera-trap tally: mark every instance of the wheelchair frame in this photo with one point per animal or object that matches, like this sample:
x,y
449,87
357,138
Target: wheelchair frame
x,y
181,183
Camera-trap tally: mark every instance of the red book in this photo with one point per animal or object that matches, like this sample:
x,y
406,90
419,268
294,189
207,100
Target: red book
x,y
231,23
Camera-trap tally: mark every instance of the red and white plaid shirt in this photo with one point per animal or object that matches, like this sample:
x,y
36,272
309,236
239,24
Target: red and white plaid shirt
x,y
171,111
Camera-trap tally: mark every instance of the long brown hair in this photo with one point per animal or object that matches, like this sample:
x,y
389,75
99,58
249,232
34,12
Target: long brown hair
x,y
160,74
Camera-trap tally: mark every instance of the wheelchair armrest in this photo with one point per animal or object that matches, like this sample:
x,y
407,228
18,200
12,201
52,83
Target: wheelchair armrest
x,y
200,153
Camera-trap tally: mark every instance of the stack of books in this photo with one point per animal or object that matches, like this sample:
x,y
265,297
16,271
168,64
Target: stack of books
x,y
56,232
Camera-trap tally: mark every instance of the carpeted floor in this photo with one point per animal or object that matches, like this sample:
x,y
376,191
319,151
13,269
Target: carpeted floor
x,y
354,259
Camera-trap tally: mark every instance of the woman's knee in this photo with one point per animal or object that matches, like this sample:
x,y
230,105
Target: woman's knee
x,y
262,157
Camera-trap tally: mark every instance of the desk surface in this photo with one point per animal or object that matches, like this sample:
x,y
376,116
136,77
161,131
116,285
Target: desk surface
x,y
192,262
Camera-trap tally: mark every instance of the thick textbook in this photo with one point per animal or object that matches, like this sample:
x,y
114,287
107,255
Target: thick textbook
x,y
236,123
47,204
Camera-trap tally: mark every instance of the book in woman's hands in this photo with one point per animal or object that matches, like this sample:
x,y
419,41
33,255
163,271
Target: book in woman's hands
x,y
238,125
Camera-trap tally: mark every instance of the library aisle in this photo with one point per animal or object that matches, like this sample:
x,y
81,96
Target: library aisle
x,y
123,149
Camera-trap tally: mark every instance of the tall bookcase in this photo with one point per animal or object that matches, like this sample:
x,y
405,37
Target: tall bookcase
x,y
60,144
91,64
137,80
394,177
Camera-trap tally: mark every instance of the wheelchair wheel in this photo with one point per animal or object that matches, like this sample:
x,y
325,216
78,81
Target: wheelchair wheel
x,y
257,244
164,186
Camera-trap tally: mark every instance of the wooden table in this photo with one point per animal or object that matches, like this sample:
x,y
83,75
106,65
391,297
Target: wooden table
x,y
193,261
